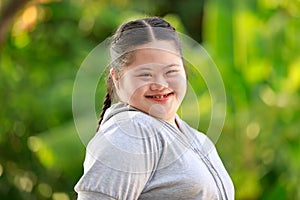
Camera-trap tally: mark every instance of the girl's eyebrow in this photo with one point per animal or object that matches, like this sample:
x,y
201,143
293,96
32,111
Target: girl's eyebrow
x,y
173,65
143,68
146,67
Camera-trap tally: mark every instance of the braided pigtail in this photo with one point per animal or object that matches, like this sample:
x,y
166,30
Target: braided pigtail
x,y
107,100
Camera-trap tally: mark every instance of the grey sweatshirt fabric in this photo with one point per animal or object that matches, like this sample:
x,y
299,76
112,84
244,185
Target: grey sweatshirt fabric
x,y
135,156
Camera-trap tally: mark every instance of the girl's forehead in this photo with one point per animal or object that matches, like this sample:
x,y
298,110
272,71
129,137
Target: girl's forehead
x,y
155,57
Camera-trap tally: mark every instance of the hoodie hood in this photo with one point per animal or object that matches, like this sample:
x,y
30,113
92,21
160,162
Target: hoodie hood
x,y
121,107
115,109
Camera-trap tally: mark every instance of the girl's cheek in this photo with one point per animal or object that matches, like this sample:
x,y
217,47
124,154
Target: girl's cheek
x,y
135,86
177,82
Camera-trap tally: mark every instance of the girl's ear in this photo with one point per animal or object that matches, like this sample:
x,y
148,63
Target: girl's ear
x,y
115,77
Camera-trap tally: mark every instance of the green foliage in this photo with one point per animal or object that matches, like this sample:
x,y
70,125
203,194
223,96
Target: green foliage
x,y
260,67
255,45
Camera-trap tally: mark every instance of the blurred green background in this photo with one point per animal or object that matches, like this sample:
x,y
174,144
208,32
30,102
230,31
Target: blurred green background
x,y
255,44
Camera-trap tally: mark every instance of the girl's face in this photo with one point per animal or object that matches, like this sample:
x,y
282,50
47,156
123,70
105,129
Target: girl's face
x,y
155,82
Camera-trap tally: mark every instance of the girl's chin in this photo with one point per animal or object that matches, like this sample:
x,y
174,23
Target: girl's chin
x,y
156,110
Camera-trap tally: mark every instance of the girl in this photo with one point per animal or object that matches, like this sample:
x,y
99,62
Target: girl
x,y
142,149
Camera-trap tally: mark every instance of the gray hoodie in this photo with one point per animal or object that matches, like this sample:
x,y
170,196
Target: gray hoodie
x,y
137,156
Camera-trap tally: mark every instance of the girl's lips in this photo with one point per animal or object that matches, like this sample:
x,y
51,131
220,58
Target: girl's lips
x,y
160,97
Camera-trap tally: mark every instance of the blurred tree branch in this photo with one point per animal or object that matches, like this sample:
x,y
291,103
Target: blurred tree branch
x,y
7,14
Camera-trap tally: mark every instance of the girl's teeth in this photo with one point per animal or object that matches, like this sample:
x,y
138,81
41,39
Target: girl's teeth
x,y
159,96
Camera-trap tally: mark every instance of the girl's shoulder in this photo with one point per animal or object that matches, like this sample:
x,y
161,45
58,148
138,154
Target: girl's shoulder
x,y
130,132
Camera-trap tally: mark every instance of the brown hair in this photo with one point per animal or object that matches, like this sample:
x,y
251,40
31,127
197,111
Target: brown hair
x,y
127,37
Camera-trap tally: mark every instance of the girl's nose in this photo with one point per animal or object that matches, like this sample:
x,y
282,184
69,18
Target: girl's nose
x,y
159,83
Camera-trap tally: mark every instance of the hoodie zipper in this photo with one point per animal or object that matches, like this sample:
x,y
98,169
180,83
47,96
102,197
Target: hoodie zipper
x,y
217,179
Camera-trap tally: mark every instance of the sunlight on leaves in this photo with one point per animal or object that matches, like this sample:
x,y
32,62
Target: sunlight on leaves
x,y
26,22
269,4
29,16
292,82
21,40
1,170
46,156
252,130
246,26
45,190
56,146
60,196
268,96
257,71
25,180
34,143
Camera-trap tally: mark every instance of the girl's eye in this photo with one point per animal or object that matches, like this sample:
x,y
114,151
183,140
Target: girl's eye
x,y
145,75
171,71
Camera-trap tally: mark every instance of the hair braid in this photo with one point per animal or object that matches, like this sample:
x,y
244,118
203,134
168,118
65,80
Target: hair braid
x,y
106,105
107,100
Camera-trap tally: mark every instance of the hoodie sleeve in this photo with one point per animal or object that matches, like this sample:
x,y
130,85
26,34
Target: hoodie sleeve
x,y
119,161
